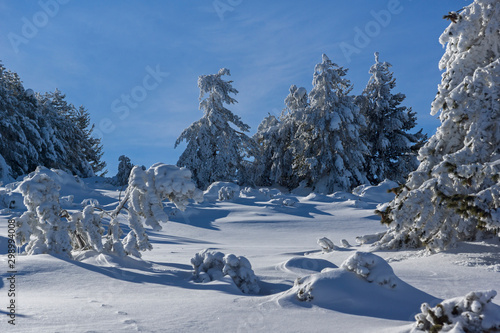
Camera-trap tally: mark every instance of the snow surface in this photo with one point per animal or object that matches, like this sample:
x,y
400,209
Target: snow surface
x,y
106,293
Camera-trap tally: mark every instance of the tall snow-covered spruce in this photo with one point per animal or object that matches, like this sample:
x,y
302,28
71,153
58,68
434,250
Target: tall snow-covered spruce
x,y
215,151
329,150
454,194
392,148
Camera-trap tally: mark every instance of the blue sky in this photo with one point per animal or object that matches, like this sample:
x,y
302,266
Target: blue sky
x,y
134,64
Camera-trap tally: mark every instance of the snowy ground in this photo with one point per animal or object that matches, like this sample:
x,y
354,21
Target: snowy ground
x,y
102,293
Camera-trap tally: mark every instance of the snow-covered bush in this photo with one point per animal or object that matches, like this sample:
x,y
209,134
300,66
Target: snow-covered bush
x,y
145,194
88,230
454,194
46,228
211,265
474,313
326,244
371,267
207,265
216,192
41,226
240,270
226,193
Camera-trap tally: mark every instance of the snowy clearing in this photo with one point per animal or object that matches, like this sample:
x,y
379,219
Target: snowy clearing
x,y
106,293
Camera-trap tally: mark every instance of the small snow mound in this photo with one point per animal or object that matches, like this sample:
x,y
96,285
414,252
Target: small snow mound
x,y
473,313
305,265
344,290
282,201
372,268
326,244
213,192
380,193
345,243
370,239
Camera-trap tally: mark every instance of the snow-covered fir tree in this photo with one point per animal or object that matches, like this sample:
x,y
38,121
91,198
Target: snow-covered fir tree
x,y
124,169
329,152
215,150
454,194
266,140
296,105
392,148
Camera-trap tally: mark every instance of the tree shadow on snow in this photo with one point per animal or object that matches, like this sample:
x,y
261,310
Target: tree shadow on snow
x,y
148,274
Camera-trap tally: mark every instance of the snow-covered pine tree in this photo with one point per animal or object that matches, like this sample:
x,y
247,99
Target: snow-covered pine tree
x,y
454,194
44,130
124,169
266,139
329,152
392,154
274,139
215,151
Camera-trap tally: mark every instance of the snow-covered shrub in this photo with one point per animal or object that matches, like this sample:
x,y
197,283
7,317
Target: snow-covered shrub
x,y
326,244
474,313
88,230
41,226
213,192
240,270
113,240
454,195
226,193
345,243
145,194
371,267
269,193
209,265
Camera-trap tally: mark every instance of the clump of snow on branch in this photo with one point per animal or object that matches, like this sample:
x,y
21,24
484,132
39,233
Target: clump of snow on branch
x,y
209,265
473,313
